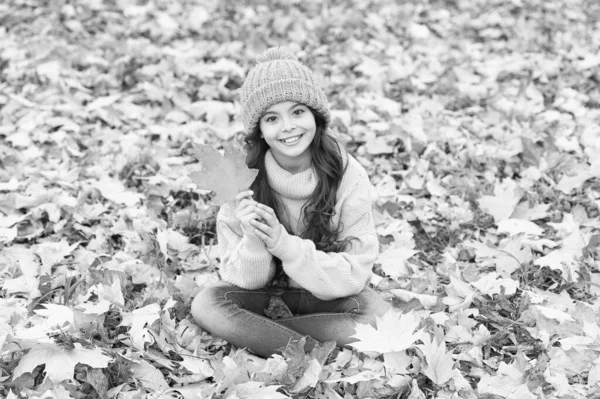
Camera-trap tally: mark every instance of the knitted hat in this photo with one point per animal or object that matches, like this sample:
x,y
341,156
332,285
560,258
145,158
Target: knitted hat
x,y
277,77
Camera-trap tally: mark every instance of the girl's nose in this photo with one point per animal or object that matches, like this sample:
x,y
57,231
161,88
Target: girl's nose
x,y
287,125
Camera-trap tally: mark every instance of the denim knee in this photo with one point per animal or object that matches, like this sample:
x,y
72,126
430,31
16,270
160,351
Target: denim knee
x,y
209,307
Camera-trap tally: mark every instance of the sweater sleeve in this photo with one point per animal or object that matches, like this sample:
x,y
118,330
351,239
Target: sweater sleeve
x,y
335,275
245,260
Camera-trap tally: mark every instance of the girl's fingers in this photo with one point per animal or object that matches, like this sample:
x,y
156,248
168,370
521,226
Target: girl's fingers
x,y
262,226
266,208
261,235
244,194
246,202
249,208
269,217
250,217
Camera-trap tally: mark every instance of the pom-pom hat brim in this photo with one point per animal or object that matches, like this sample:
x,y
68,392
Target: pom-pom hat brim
x,y
277,77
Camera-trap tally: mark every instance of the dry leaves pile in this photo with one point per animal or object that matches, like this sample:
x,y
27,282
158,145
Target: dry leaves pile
x,y
479,124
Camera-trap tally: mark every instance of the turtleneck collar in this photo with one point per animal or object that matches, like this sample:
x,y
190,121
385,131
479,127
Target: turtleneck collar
x,y
293,186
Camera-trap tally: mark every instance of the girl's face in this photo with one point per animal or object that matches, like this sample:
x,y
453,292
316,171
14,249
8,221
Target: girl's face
x,y
289,128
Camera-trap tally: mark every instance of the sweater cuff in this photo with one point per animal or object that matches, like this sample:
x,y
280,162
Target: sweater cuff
x,y
285,249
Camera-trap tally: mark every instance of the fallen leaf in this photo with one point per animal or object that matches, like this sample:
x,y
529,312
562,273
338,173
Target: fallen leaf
x,y
255,390
310,377
415,391
198,366
439,362
56,314
507,380
502,204
97,379
490,284
138,320
397,362
428,301
366,375
394,333
513,227
150,377
60,362
113,190
393,261
8,234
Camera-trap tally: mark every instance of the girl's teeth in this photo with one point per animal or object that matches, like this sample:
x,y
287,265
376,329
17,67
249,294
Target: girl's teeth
x,y
292,140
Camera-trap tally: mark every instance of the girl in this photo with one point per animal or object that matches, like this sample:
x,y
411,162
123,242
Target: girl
x,y
298,247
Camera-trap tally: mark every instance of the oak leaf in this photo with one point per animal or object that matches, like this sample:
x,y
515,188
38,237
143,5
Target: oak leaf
x,y
226,175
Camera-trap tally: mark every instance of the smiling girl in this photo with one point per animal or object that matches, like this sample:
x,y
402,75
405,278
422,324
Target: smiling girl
x,y
298,248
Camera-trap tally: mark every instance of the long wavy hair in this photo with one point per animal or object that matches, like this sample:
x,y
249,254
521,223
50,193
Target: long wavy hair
x,y
320,208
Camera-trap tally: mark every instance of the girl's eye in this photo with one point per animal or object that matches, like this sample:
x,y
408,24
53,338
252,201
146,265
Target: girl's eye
x,y
270,119
298,111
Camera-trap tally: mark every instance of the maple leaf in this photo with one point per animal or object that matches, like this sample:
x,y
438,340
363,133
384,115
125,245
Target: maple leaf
x,y
517,226
60,362
310,376
394,333
393,261
428,301
114,190
226,175
504,201
416,392
198,366
439,362
570,183
514,253
254,390
56,314
7,235
490,284
138,320
51,253
506,383
148,375
397,362
460,294
366,375
565,258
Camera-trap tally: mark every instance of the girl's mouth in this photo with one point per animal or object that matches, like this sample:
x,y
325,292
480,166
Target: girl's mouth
x,y
292,140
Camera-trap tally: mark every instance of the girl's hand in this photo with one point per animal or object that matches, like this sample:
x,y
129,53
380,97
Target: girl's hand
x,y
268,229
245,211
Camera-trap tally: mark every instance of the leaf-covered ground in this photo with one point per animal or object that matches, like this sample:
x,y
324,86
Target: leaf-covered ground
x,y
478,122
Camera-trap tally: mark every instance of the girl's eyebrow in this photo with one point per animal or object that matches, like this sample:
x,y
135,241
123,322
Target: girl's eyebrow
x,y
275,112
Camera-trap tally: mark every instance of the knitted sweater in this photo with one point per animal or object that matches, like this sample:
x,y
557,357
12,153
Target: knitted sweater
x,y
248,263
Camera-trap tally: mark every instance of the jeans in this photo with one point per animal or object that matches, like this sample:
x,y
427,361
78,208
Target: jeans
x,y
236,315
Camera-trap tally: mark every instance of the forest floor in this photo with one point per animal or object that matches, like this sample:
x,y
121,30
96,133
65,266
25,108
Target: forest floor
x,y
478,122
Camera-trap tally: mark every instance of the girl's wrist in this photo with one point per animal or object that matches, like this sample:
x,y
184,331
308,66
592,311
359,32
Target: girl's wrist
x,y
276,241
249,233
